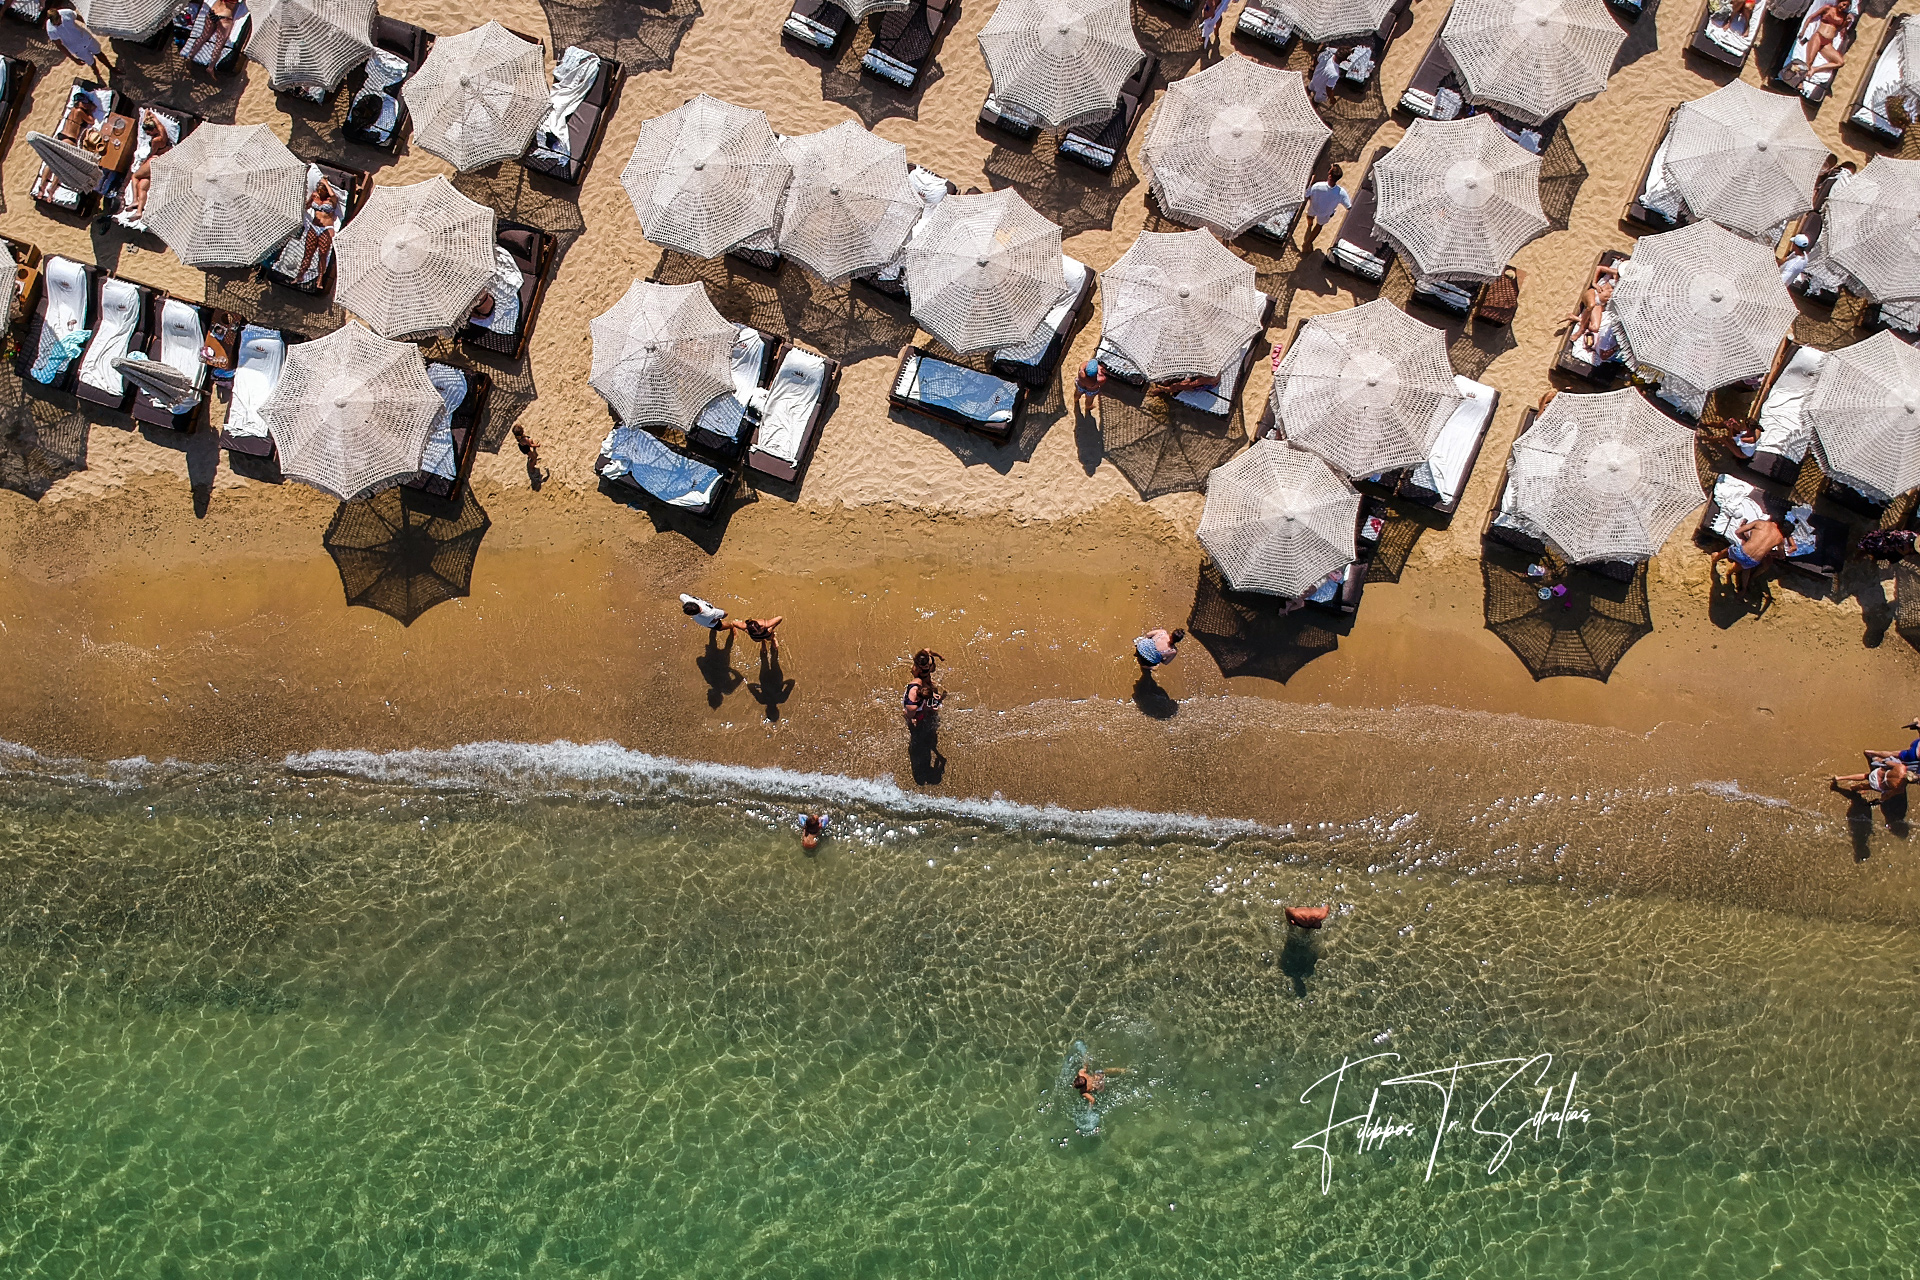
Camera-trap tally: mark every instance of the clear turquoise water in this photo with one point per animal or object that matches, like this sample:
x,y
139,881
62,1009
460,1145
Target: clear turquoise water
x,y
287,1025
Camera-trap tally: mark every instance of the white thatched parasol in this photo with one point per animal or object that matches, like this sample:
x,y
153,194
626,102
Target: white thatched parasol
x,y
1865,413
414,259
1909,40
1532,58
1605,477
1179,304
1873,228
1458,198
1061,61
662,354
478,97
351,411
1278,520
984,271
1703,305
1744,158
1368,389
227,195
1233,145
1324,21
850,206
310,42
861,9
77,168
705,176
135,20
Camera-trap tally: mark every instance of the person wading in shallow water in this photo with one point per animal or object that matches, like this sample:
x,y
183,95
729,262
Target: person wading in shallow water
x,y
1090,1082
812,828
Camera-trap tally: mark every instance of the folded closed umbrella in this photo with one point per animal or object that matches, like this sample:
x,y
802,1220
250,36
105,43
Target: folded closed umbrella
x,y
850,206
351,411
1744,158
310,42
1368,389
158,379
135,20
478,97
858,10
1061,61
1872,229
1324,21
1278,520
1703,305
1605,477
1865,414
414,259
1233,145
662,354
1532,58
227,195
1179,304
77,168
984,271
705,176
1458,198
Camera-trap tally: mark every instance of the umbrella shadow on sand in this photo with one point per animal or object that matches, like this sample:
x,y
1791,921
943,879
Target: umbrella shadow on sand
x,y
869,97
642,35
1562,174
1162,446
1076,196
848,322
40,442
160,77
1169,35
403,552
1248,636
1583,632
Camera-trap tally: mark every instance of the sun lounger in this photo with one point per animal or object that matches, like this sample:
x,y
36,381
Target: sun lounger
x,y
1723,40
1341,596
955,394
1880,94
1357,70
759,251
177,331
406,47
724,425
1360,248
1784,433
1819,542
818,24
192,25
565,155
1434,91
1100,146
638,458
20,290
1034,361
351,188
177,124
1655,204
1813,83
257,364
1628,9
904,41
60,196
16,81
50,348
1220,398
1578,360
1446,295
793,409
1264,25
122,310
891,279
454,438
536,255
31,12
1439,482
1008,119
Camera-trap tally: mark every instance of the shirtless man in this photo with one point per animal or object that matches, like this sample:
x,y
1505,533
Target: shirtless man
x,y
1756,544
1590,313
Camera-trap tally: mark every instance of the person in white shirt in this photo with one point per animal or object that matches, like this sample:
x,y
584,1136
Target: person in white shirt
x,y
1795,265
1324,199
66,29
710,616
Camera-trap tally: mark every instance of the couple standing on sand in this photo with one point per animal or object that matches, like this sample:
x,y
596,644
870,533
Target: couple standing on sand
x,y
714,618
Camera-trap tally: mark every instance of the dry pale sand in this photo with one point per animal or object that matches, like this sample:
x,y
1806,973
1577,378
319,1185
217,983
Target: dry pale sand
x,y
137,625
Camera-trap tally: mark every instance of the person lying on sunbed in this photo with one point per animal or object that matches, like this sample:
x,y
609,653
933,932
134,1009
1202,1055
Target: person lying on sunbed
x,y
1825,28
158,144
1736,14
80,127
376,107
1589,316
1174,386
211,32
322,218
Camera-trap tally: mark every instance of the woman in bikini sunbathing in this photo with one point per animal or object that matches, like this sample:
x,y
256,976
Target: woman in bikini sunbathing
x,y
1590,314
1827,25
141,180
77,127
214,35
323,214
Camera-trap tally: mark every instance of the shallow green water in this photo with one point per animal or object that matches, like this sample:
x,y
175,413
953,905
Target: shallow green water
x,y
291,1026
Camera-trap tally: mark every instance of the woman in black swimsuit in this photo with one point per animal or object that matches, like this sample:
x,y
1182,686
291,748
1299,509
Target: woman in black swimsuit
x,y
760,630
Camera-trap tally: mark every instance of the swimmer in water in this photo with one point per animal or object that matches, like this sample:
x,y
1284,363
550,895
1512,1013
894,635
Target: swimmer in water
x,y
1091,1082
811,829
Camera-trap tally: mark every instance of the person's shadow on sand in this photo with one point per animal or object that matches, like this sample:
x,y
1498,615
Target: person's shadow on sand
x,y
1893,811
923,753
772,688
716,667
1152,699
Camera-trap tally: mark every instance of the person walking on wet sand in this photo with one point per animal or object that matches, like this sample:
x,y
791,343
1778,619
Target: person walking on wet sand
x,y
1158,647
1886,776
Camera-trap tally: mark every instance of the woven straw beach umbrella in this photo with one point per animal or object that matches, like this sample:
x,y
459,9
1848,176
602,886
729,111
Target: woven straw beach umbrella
x,y
414,259
705,176
227,196
662,354
1233,145
1324,21
1368,389
77,168
1532,58
1459,198
850,206
859,10
136,20
1909,39
478,97
1703,305
985,271
1278,520
351,411
1865,413
1179,304
1873,228
1061,61
310,42
1745,158
1605,477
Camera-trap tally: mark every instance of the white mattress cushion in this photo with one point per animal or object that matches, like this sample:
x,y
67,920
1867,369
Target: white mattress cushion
x,y
791,399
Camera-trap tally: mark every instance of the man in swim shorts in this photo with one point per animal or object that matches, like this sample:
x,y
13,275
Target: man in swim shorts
x,y
1755,545
1158,647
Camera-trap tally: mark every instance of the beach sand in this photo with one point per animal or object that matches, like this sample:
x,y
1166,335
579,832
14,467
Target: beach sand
x,y
157,604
